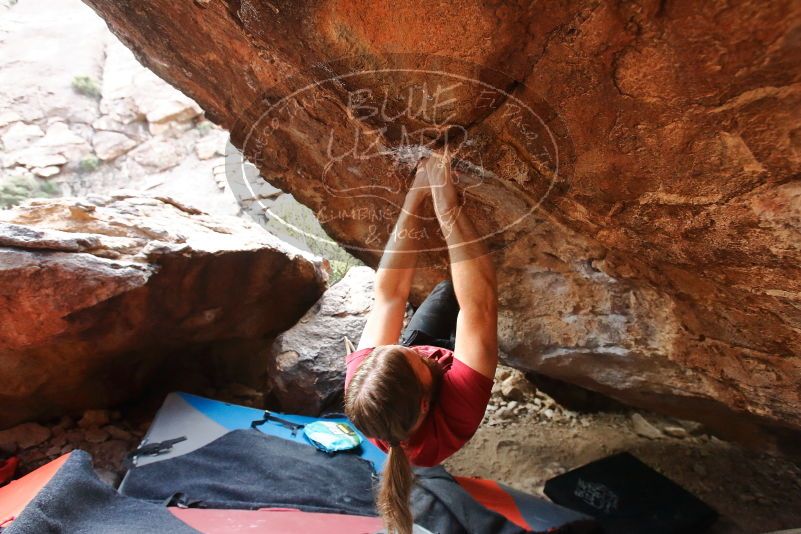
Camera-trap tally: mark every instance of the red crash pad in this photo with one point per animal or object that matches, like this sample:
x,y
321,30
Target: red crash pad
x,y
274,521
18,493
492,496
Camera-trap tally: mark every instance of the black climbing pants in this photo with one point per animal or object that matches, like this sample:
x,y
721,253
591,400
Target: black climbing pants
x,y
434,322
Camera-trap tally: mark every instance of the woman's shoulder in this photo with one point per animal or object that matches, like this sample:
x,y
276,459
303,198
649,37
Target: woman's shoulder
x,y
442,355
358,354
353,361
453,366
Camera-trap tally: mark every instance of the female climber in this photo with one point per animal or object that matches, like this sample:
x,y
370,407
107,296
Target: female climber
x,y
423,399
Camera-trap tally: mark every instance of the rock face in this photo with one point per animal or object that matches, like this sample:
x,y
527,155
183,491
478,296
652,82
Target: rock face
x,y
97,294
635,167
306,369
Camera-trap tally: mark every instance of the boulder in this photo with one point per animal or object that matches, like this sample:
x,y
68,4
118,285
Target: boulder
x,y
211,145
46,172
645,221
41,154
131,92
20,135
111,145
644,428
307,365
60,138
158,154
34,158
98,294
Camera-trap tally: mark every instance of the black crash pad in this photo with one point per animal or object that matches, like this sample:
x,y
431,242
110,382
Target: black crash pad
x,y
628,497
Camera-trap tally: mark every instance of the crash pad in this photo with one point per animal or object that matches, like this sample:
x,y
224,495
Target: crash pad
x,y
525,510
16,495
201,421
626,496
274,520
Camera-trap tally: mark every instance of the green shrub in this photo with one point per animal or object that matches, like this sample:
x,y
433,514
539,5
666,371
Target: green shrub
x,y
18,188
204,127
86,86
340,268
89,164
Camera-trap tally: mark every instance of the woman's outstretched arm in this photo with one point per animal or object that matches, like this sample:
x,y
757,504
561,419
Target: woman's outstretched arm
x,y
472,272
396,270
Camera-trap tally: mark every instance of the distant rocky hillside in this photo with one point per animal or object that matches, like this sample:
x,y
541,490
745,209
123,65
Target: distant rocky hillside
x,y
79,115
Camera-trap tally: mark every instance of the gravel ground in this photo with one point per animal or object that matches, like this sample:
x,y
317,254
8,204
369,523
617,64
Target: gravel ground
x,y
527,438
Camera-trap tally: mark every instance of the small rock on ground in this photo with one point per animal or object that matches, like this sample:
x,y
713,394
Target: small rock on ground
x,y
94,418
23,436
643,428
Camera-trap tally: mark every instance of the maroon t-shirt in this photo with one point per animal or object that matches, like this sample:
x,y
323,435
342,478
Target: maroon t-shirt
x,y
453,417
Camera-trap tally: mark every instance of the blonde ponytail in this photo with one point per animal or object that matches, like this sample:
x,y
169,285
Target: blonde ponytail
x,y
393,496
384,400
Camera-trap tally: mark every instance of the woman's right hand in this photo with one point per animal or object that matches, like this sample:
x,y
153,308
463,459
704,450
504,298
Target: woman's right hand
x,y
444,194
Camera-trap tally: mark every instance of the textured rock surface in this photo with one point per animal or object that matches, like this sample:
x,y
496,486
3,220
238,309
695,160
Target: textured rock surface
x,y
662,266
97,294
306,368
